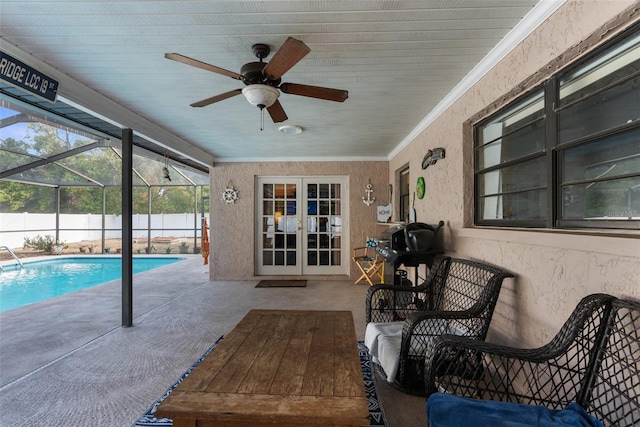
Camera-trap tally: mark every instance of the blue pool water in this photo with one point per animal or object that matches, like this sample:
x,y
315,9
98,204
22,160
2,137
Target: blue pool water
x,y
41,280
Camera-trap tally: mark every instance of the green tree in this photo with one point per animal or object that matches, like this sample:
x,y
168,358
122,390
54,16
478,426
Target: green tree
x,y
20,197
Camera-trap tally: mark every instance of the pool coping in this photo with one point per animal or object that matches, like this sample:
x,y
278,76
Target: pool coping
x,y
13,265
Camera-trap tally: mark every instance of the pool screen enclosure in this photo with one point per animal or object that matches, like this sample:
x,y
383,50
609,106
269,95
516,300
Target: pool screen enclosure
x,y
72,165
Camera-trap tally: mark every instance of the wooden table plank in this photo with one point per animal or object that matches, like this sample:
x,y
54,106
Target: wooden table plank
x,y
262,372
233,374
318,379
348,375
290,374
278,367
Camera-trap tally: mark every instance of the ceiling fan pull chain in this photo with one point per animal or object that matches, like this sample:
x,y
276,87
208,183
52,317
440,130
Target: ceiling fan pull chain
x,y
261,118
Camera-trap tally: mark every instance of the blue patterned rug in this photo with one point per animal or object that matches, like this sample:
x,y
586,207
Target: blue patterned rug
x,y
376,412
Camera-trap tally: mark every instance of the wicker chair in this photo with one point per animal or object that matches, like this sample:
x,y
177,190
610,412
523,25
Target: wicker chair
x,y
593,361
458,296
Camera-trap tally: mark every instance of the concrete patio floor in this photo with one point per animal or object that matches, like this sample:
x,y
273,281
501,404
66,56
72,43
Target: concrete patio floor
x,y
68,362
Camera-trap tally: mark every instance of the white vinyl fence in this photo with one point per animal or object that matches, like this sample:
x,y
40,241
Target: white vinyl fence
x,y
78,227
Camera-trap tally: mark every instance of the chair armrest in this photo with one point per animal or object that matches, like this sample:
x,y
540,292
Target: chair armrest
x,y
422,315
534,376
471,323
421,328
552,375
390,303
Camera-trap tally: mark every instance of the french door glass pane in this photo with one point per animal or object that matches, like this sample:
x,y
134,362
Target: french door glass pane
x,y
267,207
336,208
323,224
335,191
279,224
324,258
312,257
267,191
324,191
279,258
312,190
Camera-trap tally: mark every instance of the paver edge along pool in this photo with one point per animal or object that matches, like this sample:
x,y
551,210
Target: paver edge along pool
x,y
43,279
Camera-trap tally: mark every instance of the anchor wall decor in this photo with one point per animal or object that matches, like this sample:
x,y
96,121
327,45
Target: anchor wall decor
x,y
369,200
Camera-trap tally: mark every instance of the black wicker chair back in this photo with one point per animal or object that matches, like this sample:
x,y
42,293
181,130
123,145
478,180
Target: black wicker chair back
x,y
612,390
594,360
458,296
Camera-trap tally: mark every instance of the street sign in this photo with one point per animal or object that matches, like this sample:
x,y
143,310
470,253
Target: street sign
x,y
21,75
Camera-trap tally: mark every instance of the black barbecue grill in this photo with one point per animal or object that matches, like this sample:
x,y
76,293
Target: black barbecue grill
x,y
410,245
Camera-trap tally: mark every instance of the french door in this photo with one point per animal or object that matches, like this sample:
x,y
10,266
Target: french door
x,y
300,222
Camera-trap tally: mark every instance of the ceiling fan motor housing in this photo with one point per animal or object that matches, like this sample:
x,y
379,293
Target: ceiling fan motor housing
x,y
252,74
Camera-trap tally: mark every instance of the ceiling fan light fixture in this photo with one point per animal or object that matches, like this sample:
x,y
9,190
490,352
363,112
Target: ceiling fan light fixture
x,y
262,96
290,129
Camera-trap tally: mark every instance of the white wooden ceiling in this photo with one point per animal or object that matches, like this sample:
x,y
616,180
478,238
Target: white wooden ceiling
x,y
398,60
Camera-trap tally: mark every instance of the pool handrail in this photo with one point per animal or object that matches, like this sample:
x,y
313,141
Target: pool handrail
x,y
13,255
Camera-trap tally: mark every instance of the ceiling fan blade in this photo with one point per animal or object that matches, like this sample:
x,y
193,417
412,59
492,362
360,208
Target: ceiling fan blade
x,y
287,56
217,98
277,112
318,92
203,65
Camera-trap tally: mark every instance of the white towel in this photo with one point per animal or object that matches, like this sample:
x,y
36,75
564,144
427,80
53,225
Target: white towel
x,y
383,341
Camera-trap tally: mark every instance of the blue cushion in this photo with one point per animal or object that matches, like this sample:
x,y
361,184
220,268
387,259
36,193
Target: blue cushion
x,y
446,410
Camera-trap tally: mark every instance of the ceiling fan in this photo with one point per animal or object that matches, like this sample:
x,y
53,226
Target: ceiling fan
x,y
263,79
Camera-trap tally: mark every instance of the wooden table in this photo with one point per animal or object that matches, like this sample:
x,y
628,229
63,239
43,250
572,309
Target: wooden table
x,y
276,368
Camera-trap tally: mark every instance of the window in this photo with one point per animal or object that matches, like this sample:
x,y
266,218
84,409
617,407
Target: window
x,y
566,154
510,154
404,194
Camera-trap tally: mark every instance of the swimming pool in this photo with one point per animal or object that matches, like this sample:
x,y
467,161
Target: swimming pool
x,y
41,280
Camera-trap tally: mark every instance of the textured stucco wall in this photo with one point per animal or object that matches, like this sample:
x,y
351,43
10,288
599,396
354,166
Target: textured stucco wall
x,y
555,269
232,226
